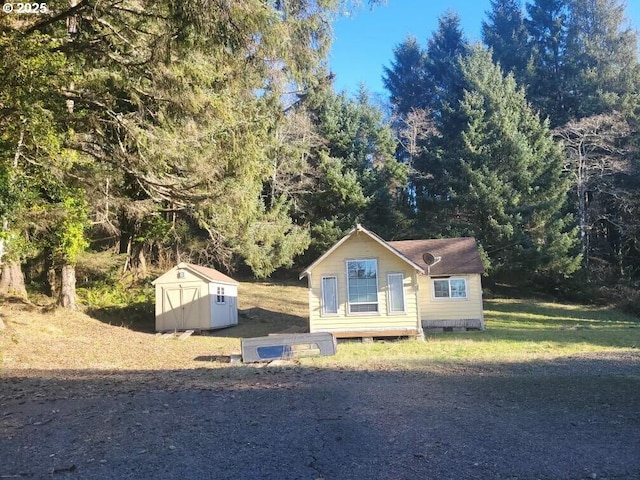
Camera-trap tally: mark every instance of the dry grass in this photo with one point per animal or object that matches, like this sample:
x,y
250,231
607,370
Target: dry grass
x,y
60,340
41,338
517,331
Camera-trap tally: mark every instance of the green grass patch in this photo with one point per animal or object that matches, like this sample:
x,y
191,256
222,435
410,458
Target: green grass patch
x,y
516,331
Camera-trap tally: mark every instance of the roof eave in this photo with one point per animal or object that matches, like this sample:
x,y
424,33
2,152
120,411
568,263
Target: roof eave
x,y
373,236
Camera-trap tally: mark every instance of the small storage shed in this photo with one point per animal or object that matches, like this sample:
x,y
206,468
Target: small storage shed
x,y
192,297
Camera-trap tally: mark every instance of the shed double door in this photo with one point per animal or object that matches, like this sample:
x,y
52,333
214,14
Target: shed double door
x,y
181,305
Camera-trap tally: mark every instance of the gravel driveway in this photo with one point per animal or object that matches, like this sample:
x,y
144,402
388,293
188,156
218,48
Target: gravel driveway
x,y
576,418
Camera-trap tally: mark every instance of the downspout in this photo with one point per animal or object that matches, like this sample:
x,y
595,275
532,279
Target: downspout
x,y
420,335
310,300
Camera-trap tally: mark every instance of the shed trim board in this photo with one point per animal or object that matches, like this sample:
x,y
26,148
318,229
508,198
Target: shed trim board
x,y
397,264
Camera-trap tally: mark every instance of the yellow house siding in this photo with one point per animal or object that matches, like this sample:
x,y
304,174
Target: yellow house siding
x,y
451,309
360,246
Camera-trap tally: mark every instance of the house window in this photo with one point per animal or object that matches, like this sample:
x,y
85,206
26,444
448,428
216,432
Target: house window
x,y
329,295
396,292
362,285
450,288
220,298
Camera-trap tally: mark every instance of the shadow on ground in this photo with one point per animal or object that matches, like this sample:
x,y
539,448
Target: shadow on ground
x,y
139,317
259,322
574,419
253,322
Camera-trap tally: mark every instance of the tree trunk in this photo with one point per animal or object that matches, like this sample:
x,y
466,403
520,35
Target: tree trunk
x,y
52,280
139,262
67,297
12,280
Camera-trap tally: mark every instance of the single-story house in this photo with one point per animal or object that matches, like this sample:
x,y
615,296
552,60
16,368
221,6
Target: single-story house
x,y
364,286
192,297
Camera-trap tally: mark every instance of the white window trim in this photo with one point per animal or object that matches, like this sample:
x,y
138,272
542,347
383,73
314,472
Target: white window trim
x,y
218,295
449,298
323,313
377,302
404,299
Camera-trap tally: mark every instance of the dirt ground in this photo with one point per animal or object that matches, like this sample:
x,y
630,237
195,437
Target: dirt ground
x,y
570,419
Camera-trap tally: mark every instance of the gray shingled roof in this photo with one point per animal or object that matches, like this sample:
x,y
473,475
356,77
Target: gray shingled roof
x,y
458,255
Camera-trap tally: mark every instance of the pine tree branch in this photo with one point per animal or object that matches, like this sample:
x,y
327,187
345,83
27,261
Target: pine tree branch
x,y
64,14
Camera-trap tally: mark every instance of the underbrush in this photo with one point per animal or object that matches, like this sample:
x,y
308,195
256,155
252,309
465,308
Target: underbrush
x,y
129,304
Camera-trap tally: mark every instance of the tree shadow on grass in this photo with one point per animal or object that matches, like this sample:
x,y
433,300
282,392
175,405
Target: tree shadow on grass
x,y
522,309
138,317
253,322
542,322
259,322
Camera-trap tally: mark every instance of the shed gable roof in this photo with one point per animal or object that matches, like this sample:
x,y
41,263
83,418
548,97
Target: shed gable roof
x,y
206,273
457,255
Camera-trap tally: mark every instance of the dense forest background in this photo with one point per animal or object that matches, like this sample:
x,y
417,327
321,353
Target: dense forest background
x,y
137,133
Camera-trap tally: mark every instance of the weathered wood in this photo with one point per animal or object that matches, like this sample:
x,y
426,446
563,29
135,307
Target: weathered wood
x,y
184,335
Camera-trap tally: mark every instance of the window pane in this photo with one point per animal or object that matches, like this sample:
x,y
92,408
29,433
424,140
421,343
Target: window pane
x,y
441,288
362,285
329,295
365,307
396,297
220,295
458,288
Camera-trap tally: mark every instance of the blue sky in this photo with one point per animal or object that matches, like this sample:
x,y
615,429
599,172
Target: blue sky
x,y
364,42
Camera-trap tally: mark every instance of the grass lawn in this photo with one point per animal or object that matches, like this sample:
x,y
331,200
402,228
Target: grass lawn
x,y
517,331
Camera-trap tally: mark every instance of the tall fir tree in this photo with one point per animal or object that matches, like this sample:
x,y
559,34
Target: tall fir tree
x,y
444,48
405,79
547,79
509,191
603,74
357,177
506,35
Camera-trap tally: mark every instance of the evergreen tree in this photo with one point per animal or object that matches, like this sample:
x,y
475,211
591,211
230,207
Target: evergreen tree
x,y
405,79
33,73
506,35
602,59
356,175
511,192
424,111
443,51
547,80
178,105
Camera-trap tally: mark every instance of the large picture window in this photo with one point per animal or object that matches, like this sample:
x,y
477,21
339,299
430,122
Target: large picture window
x,y
450,288
329,295
362,285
